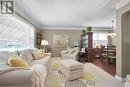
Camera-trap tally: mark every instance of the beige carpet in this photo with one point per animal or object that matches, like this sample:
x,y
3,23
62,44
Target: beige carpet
x,y
102,78
93,77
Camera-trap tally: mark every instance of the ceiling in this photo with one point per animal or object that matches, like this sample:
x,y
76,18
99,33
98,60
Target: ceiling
x,y
68,13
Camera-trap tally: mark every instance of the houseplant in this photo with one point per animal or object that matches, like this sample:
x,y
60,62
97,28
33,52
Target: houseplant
x,y
89,29
84,31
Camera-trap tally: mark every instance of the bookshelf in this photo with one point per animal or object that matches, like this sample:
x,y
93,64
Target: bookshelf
x,y
86,43
87,40
38,39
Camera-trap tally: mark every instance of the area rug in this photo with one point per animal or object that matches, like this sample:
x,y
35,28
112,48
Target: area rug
x,y
93,77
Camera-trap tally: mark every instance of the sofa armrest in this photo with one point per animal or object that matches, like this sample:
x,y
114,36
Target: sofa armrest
x,y
16,77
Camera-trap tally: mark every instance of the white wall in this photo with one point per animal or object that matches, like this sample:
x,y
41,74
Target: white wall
x,y
123,41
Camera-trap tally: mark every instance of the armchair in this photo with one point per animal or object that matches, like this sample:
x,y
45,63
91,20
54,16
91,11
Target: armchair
x,y
70,53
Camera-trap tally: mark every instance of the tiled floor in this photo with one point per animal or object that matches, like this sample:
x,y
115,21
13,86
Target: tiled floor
x,y
108,67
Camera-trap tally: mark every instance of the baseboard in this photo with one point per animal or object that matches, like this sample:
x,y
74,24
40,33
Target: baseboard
x,y
120,78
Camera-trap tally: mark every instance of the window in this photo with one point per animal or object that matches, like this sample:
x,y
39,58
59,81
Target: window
x,y
100,38
15,34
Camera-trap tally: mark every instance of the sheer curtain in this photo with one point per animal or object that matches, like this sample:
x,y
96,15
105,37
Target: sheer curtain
x,y
15,34
100,38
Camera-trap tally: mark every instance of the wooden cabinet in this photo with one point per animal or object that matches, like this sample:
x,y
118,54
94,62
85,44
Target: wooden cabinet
x,y
87,43
92,53
38,39
87,40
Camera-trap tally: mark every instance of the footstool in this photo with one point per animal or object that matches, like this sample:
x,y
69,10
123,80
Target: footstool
x,y
71,69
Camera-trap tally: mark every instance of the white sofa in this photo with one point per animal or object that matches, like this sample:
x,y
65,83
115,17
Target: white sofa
x,y
21,78
70,53
127,83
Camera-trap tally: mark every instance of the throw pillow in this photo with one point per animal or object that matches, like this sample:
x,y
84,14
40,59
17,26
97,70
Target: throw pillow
x,y
17,62
38,54
27,56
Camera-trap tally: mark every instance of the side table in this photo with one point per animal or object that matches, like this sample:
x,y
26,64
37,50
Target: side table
x,y
50,54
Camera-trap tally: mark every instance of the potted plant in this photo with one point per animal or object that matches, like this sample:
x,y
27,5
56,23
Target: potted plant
x,y
83,31
89,29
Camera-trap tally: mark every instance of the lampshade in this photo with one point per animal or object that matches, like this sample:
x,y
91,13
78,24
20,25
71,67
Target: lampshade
x,y
44,42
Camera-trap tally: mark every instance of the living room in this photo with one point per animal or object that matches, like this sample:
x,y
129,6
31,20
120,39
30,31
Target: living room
x,y
64,43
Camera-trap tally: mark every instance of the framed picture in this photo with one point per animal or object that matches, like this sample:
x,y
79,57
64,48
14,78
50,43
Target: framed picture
x,y
61,40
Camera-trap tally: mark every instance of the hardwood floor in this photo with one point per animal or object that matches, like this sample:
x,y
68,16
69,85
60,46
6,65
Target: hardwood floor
x,y
108,67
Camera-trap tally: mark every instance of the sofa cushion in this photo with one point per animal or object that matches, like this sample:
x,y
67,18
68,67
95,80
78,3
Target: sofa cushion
x,y
43,61
27,56
16,77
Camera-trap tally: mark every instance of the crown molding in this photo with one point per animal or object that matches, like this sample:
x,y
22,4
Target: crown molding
x,y
61,28
24,18
73,28
121,4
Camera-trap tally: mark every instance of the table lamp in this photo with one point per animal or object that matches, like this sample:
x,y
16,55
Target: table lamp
x,y
44,43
